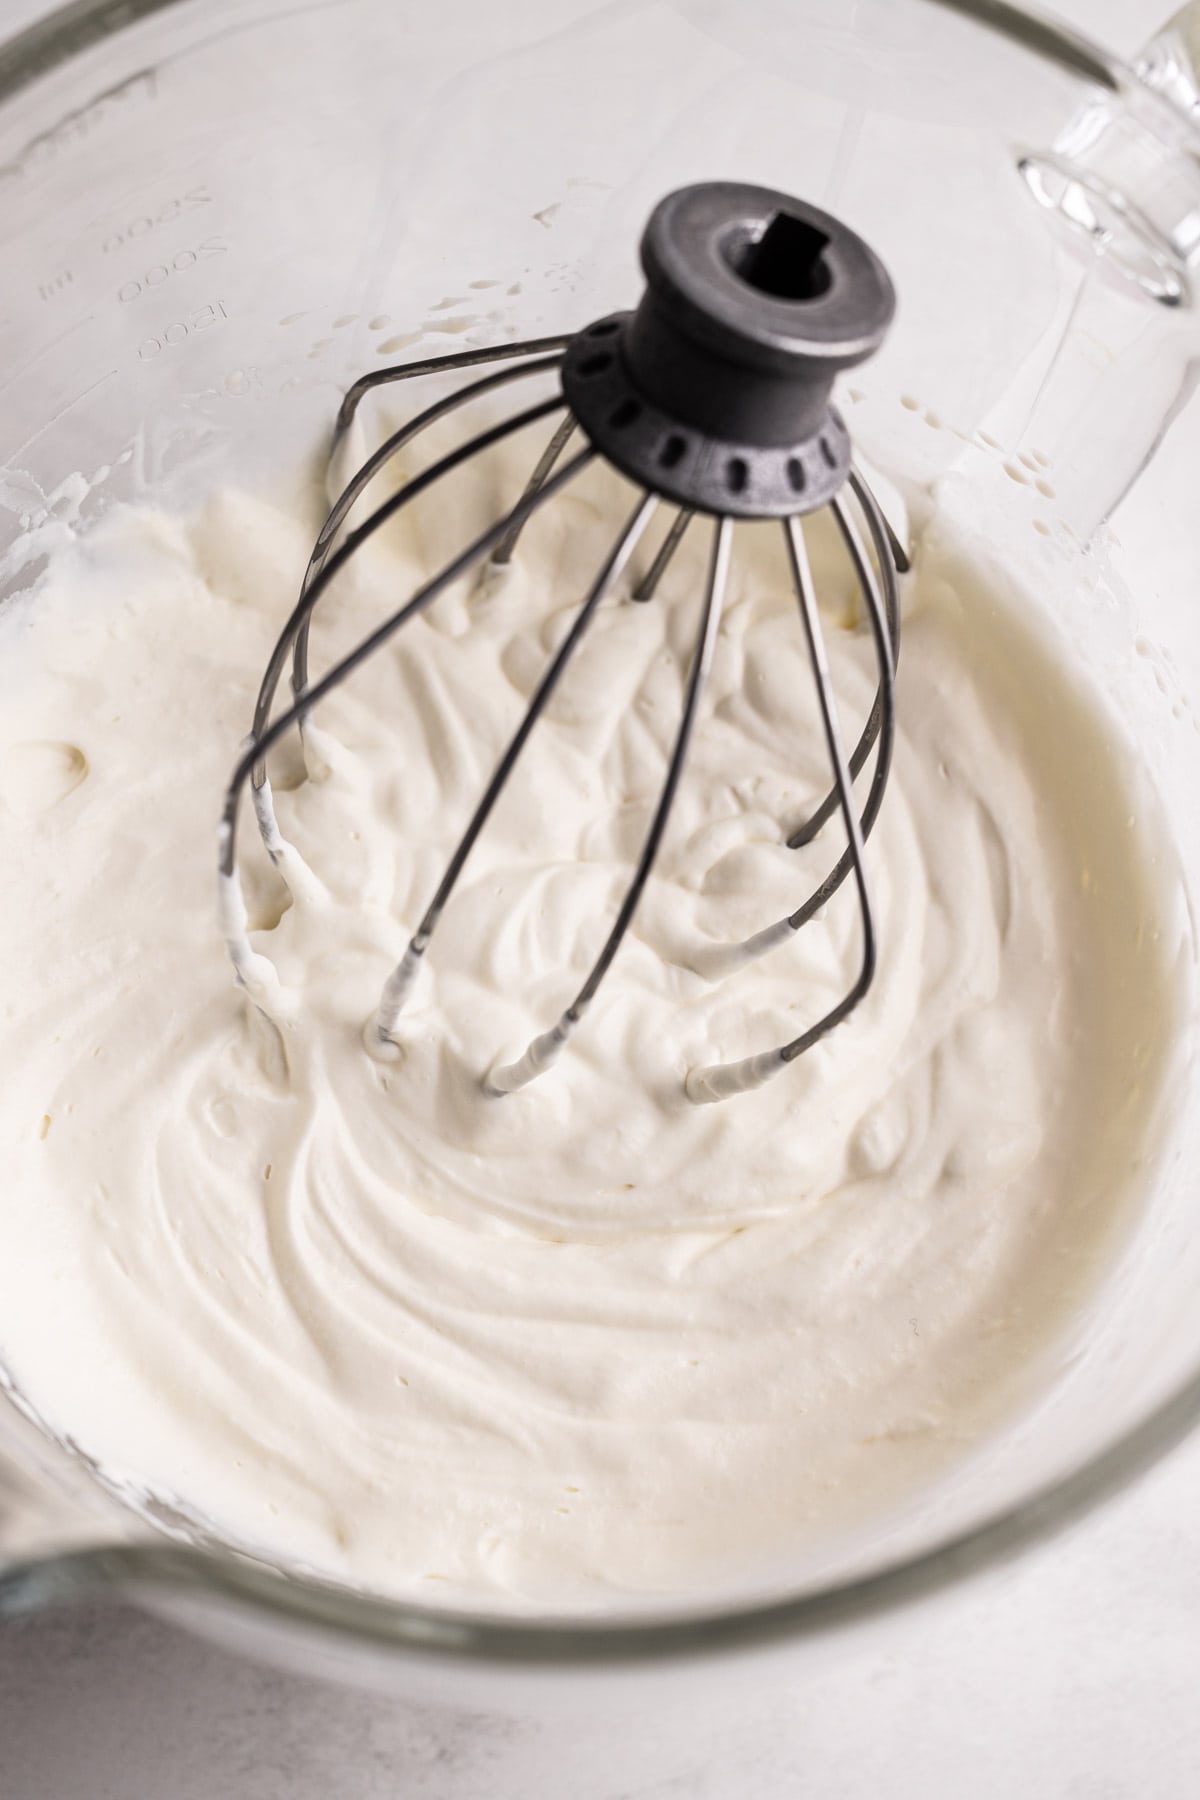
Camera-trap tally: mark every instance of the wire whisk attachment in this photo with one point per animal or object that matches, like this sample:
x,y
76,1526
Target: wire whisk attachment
x,y
713,396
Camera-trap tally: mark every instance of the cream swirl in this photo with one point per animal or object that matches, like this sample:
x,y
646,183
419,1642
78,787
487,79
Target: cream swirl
x,y
591,1336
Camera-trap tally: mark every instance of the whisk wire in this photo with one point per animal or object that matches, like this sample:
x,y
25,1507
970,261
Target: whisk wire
x,y
886,547
720,1081
563,433
378,460
546,1047
399,983
646,586
262,734
438,365
451,572
887,712
718,960
811,619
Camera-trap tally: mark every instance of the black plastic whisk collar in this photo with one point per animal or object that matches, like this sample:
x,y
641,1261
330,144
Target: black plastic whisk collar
x,y
715,391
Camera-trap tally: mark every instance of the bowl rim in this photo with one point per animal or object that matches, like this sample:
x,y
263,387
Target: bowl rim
x,y
162,1568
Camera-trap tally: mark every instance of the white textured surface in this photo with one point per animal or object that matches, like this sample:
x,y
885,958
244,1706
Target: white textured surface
x,y
1072,1676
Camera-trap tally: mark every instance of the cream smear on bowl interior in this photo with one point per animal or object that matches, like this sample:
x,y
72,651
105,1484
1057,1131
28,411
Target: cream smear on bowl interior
x,y
589,1341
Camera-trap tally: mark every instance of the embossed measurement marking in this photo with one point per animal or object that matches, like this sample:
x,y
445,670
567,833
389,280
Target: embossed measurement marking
x,y
177,264
144,223
180,330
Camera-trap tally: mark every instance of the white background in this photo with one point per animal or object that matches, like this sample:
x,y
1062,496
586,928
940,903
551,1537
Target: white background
x,y
1074,1675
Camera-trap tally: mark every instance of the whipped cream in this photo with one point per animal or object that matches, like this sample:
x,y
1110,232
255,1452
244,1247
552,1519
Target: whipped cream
x,y
588,1340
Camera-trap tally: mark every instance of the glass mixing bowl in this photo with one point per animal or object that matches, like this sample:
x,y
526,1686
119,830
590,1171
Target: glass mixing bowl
x,y
215,214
